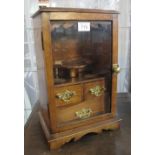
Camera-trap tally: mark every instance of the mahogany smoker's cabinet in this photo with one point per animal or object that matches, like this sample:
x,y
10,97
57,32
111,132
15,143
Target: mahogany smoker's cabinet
x,y
76,51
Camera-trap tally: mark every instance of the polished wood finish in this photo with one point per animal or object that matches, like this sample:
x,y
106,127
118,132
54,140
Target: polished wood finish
x,y
43,97
90,85
66,114
79,81
82,91
105,143
48,71
58,119
114,61
78,97
44,9
55,141
79,16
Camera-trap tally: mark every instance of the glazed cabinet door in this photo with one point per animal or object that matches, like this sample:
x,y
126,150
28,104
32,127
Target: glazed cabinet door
x,y
84,55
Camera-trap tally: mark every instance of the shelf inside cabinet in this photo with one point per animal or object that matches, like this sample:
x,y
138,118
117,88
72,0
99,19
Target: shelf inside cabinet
x,y
77,81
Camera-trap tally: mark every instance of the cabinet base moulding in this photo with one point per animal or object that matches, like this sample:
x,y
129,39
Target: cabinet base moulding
x,y
56,140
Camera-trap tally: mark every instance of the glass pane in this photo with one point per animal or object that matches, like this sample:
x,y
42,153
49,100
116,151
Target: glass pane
x,y
82,52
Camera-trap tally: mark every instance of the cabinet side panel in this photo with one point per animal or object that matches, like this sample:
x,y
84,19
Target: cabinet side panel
x,y
49,69
43,98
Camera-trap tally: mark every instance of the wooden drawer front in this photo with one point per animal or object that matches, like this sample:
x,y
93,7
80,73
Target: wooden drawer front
x,y
68,95
94,90
75,112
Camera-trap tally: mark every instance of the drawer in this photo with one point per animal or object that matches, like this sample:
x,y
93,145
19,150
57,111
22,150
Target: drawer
x,y
94,89
68,95
80,111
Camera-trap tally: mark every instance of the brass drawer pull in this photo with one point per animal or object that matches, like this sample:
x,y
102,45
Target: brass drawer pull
x,y
66,95
97,90
84,113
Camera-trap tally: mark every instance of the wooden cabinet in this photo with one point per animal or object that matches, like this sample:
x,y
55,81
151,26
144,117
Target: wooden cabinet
x,y
76,51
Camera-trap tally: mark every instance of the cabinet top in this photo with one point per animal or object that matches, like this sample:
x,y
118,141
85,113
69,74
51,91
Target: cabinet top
x,y
78,10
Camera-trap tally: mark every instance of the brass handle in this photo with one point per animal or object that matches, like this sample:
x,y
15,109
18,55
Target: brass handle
x,y
97,90
66,95
84,113
116,68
